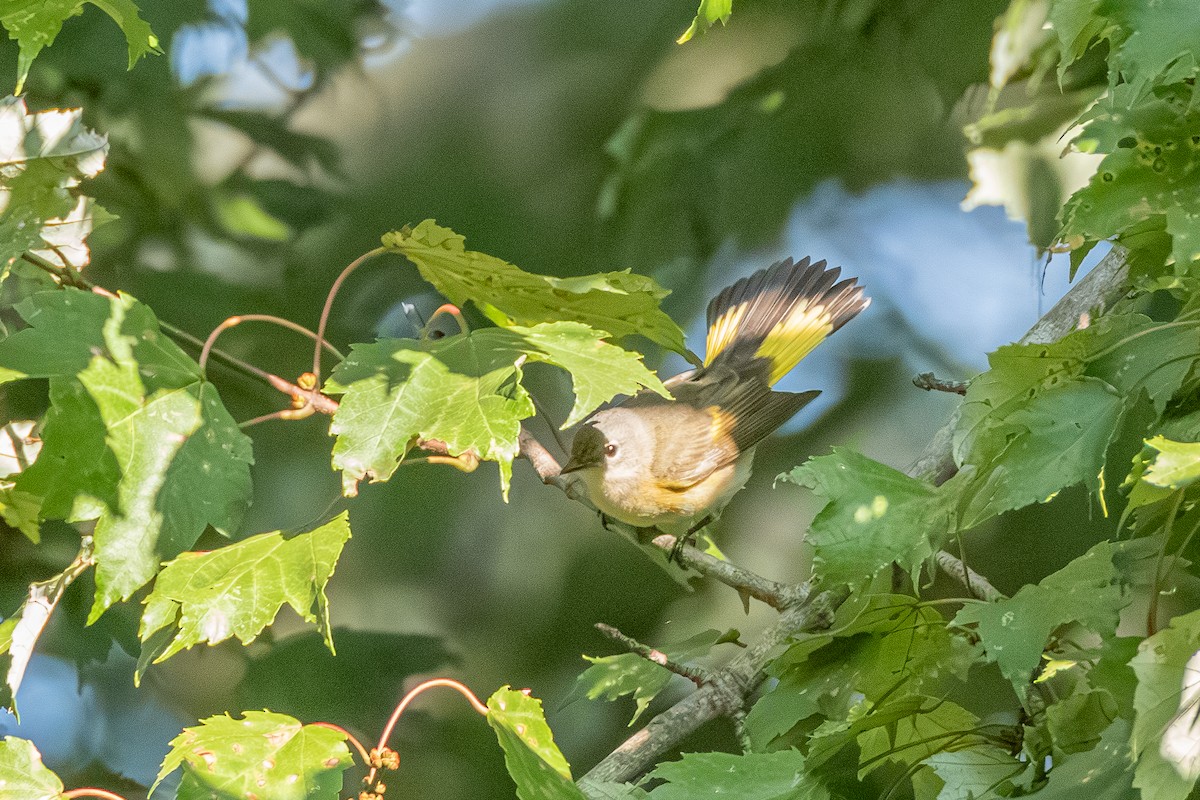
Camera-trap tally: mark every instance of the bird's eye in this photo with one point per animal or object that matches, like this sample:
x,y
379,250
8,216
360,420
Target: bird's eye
x,y
610,449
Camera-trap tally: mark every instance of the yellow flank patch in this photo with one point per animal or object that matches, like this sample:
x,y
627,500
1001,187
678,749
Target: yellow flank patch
x,y
794,337
723,331
718,424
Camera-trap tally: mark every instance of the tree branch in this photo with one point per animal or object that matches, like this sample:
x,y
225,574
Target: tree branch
x,y
1101,287
971,580
694,674
726,694
775,594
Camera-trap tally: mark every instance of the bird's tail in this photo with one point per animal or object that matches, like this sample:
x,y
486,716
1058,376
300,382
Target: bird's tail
x,y
780,314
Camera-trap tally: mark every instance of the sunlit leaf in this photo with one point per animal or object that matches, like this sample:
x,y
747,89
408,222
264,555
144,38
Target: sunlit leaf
x,y
23,776
611,677
621,303
1166,732
533,760
1176,465
140,441
465,391
261,755
238,589
709,13
43,157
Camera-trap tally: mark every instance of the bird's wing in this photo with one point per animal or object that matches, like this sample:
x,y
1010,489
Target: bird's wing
x,y
717,415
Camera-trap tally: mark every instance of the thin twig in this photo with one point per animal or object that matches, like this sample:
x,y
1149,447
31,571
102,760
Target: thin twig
x,y
90,791
416,692
777,595
696,675
238,319
725,694
333,290
932,383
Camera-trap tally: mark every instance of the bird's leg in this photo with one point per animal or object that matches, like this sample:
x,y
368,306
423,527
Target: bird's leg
x,y
604,521
681,542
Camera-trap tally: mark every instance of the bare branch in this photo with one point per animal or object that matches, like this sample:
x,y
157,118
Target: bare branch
x,y
696,675
932,383
725,694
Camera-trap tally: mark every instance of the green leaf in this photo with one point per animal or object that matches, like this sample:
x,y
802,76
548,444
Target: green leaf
x,y
262,755
140,442
621,303
238,589
1166,738
45,156
1077,722
1163,42
1076,25
879,643
1014,631
1102,773
938,725
974,773
23,776
33,24
1149,173
875,516
753,776
1176,465
1055,440
534,762
611,677
709,13
465,391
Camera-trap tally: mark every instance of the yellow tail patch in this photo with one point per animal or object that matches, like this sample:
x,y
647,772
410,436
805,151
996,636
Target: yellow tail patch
x,y
785,345
795,337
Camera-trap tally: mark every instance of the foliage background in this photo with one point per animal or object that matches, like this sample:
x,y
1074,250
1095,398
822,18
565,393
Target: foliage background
x,y
565,137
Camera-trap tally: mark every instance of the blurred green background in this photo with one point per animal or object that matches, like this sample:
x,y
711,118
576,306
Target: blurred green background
x,y
275,142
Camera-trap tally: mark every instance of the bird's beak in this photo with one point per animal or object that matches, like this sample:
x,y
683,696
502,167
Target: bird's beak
x,y
573,465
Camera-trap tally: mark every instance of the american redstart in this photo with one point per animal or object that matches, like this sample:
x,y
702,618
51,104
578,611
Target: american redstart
x,y
674,464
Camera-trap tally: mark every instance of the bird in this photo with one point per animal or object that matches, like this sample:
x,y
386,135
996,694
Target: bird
x,y
673,463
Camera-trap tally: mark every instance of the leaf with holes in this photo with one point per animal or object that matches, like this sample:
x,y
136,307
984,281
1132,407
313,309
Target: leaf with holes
x,y
261,755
